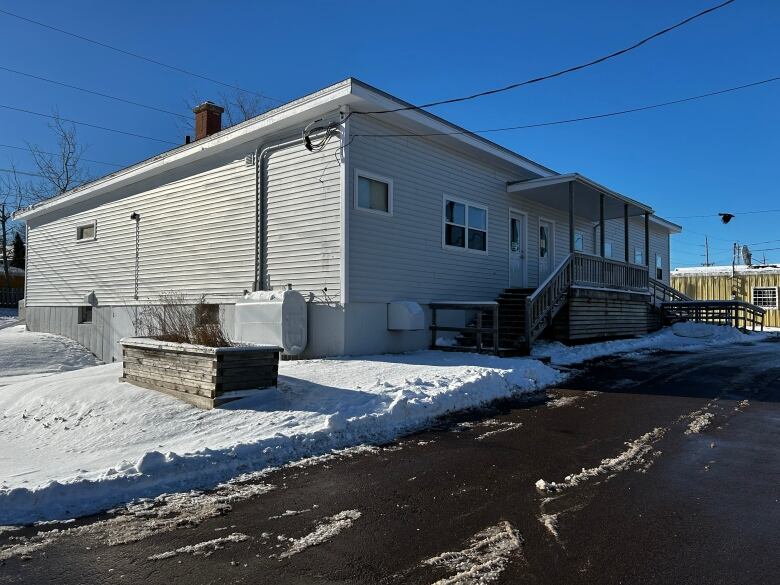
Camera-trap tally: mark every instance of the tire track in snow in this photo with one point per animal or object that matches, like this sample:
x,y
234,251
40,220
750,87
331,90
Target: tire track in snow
x,y
323,532
485,558
206,548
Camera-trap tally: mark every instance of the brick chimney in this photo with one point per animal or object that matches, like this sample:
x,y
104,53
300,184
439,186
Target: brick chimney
x,y
208,119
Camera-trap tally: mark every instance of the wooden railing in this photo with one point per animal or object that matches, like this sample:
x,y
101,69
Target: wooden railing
x,y
10,297
734,313
605,273
477,329
663,293
578,269
547,300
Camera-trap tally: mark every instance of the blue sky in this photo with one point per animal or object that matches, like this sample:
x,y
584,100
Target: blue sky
x,y
699,158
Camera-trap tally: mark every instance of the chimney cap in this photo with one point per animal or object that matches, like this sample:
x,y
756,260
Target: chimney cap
x,y
208,106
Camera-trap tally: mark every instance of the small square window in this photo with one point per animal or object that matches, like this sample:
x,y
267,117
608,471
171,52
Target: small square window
x,y
85,314
86,231
374,194
765,297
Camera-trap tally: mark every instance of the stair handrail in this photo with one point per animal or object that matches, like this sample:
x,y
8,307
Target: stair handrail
x,y
663,293
547,300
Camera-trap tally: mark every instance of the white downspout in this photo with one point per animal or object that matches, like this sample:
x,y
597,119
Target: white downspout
x,y
262,152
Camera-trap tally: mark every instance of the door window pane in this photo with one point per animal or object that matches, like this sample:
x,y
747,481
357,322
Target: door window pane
x,y
544,241
515,246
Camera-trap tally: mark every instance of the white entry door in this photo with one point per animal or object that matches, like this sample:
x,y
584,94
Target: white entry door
x,y
546,249
517,255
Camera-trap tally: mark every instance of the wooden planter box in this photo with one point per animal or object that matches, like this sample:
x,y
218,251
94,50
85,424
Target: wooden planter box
x,y
203,376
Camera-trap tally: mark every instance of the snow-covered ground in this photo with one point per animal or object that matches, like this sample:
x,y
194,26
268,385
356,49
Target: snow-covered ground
x,y
77,442
8,315
26,355
81,441
679,337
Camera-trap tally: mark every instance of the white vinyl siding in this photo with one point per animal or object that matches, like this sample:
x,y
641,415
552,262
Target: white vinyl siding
x,y
405,258
197,236
304,220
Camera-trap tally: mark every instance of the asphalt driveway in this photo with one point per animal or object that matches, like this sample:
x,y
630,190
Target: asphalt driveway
x,y
659,469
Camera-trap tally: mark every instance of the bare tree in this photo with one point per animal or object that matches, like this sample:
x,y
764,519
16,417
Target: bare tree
x,y
55,173
61,170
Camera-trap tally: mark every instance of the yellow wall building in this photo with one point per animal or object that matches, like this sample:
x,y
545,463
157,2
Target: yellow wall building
x,y
753,284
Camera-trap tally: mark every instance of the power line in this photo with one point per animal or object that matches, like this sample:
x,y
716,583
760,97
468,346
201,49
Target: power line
x,y
88,124
15,172
28,149
93,92
560,73
582,119
734,212
766,242
136,55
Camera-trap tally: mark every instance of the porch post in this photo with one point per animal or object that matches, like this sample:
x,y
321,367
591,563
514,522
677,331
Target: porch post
x,y
625,229
571,217
602,236
647,240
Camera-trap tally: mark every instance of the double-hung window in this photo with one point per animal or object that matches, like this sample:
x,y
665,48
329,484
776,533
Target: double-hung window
x,y
639,256
659,267
765,297
465,225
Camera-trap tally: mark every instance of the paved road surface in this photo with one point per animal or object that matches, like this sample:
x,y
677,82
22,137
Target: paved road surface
x,y
694,497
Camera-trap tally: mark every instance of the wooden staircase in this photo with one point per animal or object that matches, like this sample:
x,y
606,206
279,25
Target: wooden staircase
x,y
511,324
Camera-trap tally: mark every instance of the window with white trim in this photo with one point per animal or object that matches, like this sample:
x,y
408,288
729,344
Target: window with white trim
x,y
608,249
465,225
88,231
579,241
639,256
765,297
659,267
373,193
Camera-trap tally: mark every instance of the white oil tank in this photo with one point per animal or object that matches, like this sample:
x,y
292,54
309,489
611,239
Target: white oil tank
x,y
273,317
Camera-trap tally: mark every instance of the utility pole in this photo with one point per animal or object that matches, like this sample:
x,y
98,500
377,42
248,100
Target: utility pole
x,y
706,251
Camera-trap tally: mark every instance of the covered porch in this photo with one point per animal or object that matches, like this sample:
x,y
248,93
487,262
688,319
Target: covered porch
x,y
600,223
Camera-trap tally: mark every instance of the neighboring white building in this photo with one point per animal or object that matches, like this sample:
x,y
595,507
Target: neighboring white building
x,y
373,213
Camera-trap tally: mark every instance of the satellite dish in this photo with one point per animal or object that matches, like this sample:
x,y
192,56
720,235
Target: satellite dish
x,y
747,256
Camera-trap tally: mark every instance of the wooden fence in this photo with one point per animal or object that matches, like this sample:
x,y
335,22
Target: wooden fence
x,y
11,297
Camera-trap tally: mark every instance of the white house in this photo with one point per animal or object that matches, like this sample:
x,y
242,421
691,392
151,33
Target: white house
x,y
355,199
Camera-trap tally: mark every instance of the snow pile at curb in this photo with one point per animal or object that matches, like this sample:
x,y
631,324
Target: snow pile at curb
x,y
80,442
678,337
24,354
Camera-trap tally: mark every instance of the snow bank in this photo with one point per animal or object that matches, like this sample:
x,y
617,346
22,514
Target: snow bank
x,y
678,337
79,442
8,316
24,354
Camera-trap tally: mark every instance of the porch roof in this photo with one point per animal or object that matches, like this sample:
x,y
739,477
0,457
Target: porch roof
x,y
553,191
